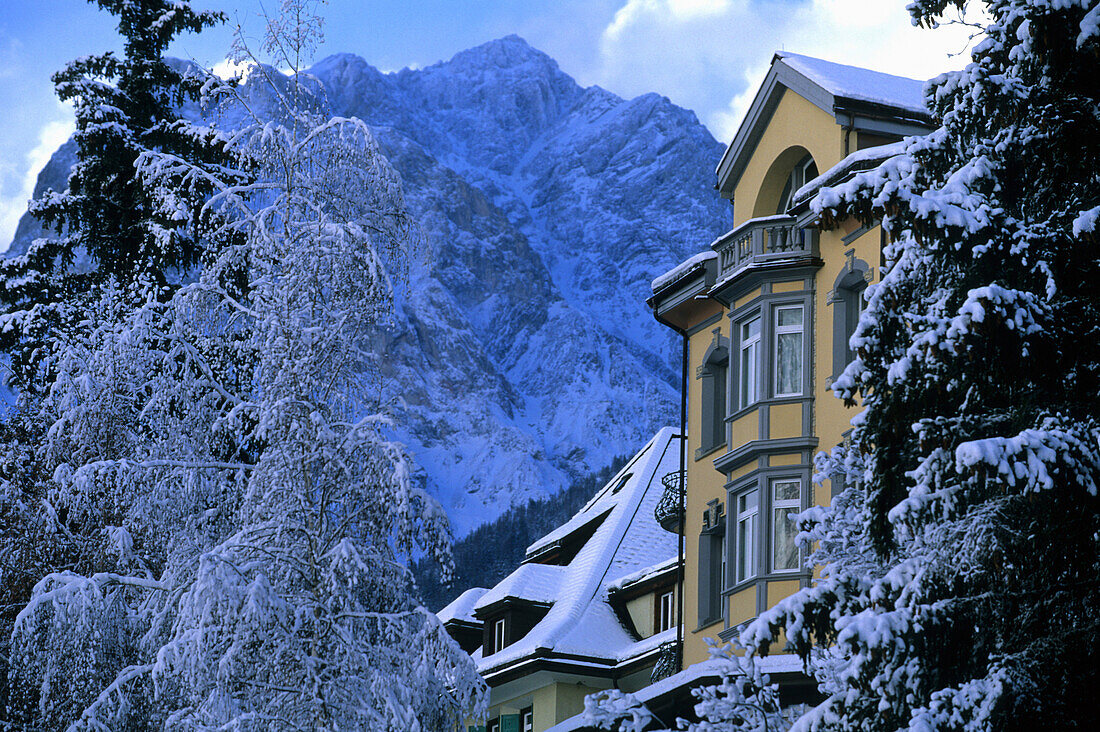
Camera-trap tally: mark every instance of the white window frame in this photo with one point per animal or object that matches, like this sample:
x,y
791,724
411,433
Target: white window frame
x,y
527,720
781,330
776,506
748,388
747,522
498,635
666,606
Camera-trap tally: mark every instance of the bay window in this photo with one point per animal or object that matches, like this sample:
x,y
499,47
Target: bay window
x,y
750,362
788,350
786,498
747,511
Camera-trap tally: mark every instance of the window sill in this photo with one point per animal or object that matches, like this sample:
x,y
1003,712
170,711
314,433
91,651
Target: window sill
x,y
703,452
768,402
709,623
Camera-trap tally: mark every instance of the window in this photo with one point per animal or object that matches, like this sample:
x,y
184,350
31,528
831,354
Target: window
x,y
666,611
786,502
498,635
713,375
747,510
712,563
527,720
788,350
750,362
848,300
802,173
494,725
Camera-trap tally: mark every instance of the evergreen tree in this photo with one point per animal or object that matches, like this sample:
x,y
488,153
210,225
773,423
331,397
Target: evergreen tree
x,y
109,226
961,590
258,513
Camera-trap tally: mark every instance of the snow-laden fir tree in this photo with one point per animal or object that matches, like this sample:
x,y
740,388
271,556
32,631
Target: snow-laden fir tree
x,y
962,590
744,700
107,224
110,234
233,428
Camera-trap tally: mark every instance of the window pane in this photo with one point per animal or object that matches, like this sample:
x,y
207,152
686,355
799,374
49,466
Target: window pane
x,y
784,550
787,490
750,329
747,502
790,316
746,533
789,377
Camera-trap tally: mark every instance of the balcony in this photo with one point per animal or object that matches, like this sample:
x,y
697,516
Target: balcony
x,y
764,241
669,510
668,662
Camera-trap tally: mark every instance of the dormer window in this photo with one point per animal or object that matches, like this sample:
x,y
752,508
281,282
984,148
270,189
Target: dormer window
x,y
498,635
666,611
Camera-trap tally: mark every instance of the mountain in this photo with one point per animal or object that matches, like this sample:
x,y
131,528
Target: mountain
x,y
523,354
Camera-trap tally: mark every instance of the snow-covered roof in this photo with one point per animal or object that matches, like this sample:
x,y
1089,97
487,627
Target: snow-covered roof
x,y
532,582
692,676
643,574
853,82
855,162
681,269
870,101
580,622
462,607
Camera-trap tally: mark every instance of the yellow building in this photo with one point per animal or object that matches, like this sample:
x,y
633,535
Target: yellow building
x,y
766,311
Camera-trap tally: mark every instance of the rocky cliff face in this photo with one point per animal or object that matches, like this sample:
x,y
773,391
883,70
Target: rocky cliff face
x,y
524,353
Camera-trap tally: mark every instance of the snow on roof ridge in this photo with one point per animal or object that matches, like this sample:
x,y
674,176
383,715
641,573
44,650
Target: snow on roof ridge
x,y
533,582
681,269
857,82
644,573
580,621
867,154
588,513
462,607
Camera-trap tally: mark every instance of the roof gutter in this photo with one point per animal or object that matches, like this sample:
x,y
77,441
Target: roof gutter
x,y
683,485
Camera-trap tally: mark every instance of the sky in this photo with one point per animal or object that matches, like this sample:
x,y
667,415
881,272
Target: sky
x,y
706,55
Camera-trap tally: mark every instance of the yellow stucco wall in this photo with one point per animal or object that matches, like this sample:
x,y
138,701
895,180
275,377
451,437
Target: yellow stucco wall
x,y
833,418
785,420
796,123
705,483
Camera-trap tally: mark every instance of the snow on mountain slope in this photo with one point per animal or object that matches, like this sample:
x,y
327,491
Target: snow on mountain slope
x,y
523,353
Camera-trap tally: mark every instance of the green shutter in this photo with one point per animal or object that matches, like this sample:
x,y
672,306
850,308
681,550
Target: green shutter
x,y
509,723
476,728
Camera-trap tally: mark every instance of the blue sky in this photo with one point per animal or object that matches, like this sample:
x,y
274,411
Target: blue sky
x,y
707,55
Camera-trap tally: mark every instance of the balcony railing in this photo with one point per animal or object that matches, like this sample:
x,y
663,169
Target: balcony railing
x,y
761,241
668,662
668,511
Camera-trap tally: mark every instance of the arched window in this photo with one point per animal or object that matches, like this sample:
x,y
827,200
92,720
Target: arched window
x,y
713,375
802,173
848,300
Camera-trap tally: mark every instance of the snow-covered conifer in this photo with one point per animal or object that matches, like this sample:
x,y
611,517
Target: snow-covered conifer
x,y
259,513
961,589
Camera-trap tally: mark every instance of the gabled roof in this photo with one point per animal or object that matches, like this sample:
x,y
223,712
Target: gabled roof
x,y
580,626
533,583
461,608
857,98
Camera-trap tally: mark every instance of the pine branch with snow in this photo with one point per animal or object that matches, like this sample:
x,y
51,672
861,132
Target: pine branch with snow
x,y
960,590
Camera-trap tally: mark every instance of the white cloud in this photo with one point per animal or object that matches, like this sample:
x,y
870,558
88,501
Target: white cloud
x,y
710,55
50,137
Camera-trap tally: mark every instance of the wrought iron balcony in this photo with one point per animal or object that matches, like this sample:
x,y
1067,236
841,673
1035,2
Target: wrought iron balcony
x,y
763,241
668,663
669,510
